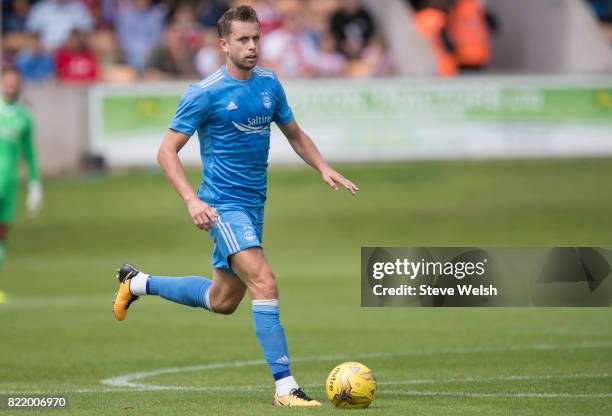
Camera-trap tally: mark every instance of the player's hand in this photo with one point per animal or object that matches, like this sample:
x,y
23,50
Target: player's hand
x,y
34,199
203,215
333,178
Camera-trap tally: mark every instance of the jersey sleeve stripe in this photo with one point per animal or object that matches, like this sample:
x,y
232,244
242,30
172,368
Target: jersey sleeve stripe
x,y
210,80
263,73
208,84
211,83
260,69
214,74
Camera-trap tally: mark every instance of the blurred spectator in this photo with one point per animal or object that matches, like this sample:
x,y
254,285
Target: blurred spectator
x,y
353,27
34,63
75,62
602,9
469,33
290,50
183,18
317,14
269,18
139,25
14,14
55,20
99,11
209,58
108,12
14,39
431,22
104,45
329,62
375,61
171,58
209,12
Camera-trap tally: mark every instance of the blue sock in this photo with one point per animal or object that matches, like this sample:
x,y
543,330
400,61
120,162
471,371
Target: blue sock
x,y
189,290
271,336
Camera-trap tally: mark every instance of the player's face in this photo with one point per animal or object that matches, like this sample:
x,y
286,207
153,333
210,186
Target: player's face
x,y
11,85
242,45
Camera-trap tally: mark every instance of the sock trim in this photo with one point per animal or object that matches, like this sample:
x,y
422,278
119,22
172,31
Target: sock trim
x,y
207,300
285,385
139,284
281,375
265,302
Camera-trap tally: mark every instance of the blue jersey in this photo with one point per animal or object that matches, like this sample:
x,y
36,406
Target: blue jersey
x,y
232,118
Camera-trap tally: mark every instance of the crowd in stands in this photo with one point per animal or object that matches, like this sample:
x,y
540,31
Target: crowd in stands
x,y
84,41
458,31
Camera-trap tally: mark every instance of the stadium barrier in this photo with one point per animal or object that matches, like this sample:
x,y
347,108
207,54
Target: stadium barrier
x,y
387,119
61,126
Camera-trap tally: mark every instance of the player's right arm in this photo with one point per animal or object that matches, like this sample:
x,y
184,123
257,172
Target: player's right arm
x,y
202,214
193,111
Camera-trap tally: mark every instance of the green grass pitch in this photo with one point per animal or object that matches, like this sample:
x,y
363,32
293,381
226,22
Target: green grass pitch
x,y
58,334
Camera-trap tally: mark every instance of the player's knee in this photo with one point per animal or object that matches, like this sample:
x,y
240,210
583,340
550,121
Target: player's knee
x,y
226,304
260,280
264,287
226,307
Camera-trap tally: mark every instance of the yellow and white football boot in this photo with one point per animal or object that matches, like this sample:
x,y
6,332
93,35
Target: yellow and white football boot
x,y
296,398
123,297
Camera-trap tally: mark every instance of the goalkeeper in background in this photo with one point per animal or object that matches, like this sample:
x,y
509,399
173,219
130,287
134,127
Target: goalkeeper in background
x,y
15,140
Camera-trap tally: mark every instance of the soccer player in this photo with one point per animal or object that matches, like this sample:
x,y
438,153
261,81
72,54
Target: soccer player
x,y
15,141
232,111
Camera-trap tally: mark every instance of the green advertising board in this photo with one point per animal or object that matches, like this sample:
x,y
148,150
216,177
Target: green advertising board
x,y
396,118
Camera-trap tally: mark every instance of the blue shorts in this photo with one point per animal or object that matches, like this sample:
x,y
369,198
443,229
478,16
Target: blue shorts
x,y
237,229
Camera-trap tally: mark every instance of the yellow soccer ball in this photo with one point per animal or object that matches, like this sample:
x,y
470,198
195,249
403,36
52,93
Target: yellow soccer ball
x,y
351,385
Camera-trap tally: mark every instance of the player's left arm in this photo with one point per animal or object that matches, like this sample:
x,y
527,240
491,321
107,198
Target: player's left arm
x,y
307,150
35,193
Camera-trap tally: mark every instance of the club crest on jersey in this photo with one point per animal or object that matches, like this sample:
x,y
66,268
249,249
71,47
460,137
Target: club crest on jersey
x,y
267,101
250,236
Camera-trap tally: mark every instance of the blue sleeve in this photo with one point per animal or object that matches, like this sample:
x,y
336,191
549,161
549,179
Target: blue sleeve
x,y
282,113
193,110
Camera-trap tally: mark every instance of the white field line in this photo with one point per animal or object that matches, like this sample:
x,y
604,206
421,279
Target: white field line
x,y
577,376
128,382
495,395
38,302
267,388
